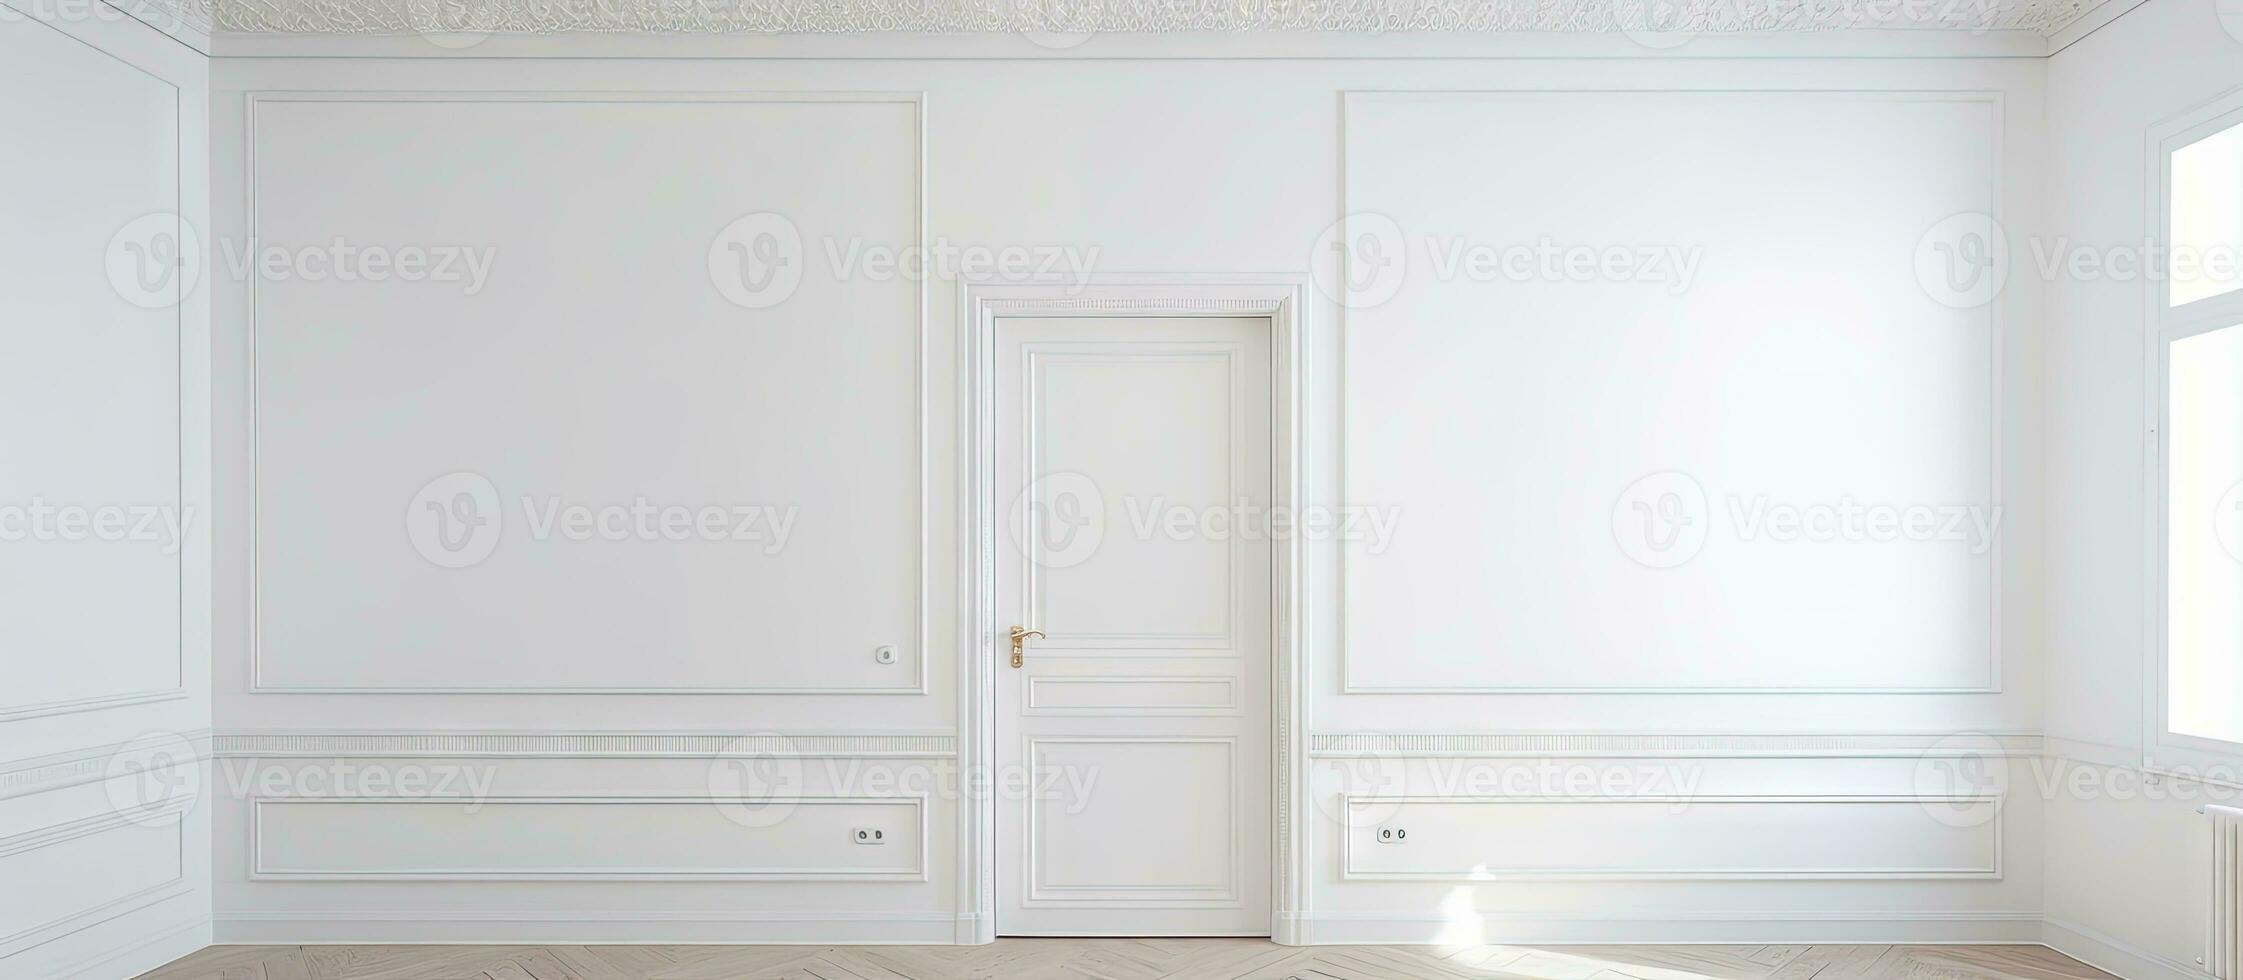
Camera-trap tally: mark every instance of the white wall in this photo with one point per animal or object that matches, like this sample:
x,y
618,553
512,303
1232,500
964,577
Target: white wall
x,y
105,542
600,363
2128,861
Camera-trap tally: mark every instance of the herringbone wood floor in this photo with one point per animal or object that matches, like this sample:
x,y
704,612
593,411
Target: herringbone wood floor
x,y
1126,959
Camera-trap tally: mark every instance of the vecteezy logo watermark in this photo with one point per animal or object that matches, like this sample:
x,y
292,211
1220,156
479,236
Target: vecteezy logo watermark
x,y
759,780
1656,24
856,258
2227,521
756,261
756,780
163,525
1157,517
253,778
1365,259
2230,13
1366,781
1664,520
457,520
1360,261
1963,261
1661,520
1958,777
1058,520
454,521
155,260
453,25
153,780
1455,259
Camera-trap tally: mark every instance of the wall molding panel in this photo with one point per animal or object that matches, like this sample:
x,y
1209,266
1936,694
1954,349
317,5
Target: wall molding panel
x,y
160,884
259,124
1546,829
1381,200
905,814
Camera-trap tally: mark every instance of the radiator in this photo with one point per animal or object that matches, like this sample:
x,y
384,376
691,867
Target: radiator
x,y
2223,942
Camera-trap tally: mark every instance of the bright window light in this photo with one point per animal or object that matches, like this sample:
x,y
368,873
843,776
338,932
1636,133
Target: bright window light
x,y
2204,536
2207,218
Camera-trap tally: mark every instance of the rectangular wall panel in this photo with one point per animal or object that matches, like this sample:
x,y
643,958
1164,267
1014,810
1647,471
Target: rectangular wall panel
x,y
1673,391
644,416
589,838
1809,838
79,874
94,260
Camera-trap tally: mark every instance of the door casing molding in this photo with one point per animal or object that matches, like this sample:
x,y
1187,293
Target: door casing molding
x,y
1284,300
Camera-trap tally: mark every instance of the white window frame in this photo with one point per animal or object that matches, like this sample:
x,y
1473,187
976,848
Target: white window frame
x,y
2162,748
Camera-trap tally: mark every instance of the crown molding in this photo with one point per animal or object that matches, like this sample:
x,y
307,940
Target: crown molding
x,y
1056,25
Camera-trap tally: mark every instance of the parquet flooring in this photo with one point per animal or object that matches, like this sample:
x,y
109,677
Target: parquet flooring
x,y
1127,959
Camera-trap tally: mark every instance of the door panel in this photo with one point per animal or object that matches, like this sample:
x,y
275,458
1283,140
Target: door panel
x,y
1133,473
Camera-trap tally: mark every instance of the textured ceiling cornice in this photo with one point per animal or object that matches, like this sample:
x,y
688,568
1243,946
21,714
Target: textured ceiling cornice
x,y
1129,16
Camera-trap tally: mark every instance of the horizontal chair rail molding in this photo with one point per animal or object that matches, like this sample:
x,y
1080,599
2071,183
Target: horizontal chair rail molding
x,y
576,745
1355,745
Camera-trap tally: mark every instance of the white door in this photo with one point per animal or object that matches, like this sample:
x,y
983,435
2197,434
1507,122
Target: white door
x,y
1133,478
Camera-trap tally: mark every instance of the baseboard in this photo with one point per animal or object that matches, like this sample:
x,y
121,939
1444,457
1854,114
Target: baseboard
x,y
171,944
1349,928
424,926
2111,955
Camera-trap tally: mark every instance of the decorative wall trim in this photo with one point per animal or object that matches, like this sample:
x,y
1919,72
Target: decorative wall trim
x,y
1680,926
257,683
1654,745
2113,955
1124,16
1479,872
52,708
260,870
607,925
80,766
180,501
576,745
1997,367
172,887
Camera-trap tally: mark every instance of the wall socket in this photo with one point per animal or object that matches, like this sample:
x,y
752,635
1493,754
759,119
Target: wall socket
x,y
867,835
1393,835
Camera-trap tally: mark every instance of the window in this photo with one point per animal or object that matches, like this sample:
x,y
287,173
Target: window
x,y
2196,332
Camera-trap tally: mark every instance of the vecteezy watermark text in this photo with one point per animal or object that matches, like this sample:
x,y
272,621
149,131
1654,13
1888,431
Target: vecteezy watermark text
x,y
45,521
1364,259
457,520
1664,519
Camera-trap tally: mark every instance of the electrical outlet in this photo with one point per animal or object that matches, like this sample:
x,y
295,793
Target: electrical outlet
x,y
868,835
1393,835
885,655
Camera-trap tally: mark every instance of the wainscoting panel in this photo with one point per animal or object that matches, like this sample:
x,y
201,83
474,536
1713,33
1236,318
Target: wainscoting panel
x,y
588,839
578,444
90,420
1685,414
1675,838
79,874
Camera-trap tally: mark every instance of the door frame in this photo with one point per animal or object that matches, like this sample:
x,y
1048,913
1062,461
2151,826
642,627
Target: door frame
x,y
1284,301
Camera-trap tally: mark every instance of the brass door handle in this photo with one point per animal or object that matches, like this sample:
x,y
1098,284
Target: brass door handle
x,y
1020,635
